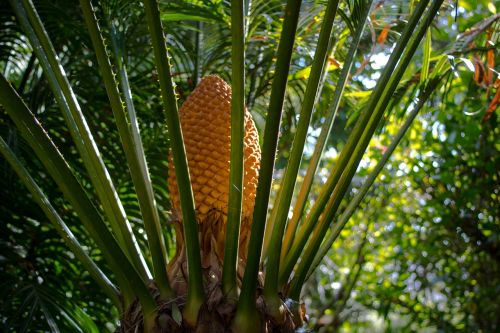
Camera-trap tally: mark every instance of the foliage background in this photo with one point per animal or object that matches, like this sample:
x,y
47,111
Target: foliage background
x,y
422,253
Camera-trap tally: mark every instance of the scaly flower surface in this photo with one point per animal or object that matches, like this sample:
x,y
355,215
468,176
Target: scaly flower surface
x,y
206,126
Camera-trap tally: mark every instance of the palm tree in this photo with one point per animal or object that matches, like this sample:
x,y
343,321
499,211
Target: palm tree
x,y
259,282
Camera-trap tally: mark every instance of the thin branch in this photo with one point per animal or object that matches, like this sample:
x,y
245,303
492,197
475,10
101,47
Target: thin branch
x,y
80,132
271,285
41,199
353,143
132,146
246,305
195,282
360,146
129,280
325,133
236,156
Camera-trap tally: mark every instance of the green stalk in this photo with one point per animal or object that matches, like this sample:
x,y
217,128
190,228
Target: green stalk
x,y
346,153
288,183
360,195
132,146
198,41
195,284
84,141
424,74
325,133
69,239
236,163
246,306
270,226
350,170
129,280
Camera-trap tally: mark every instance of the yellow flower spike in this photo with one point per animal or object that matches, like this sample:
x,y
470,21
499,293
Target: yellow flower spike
x,y
206,125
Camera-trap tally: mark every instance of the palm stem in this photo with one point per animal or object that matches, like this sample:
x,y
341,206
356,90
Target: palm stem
x,y
324,134
343,183
272,219
346,153
360,195
80,131
288,183
41,199
134,152
236,161
129,280
195,282
247,298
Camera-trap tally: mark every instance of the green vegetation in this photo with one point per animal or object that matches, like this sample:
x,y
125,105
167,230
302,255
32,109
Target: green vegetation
x,y
378,200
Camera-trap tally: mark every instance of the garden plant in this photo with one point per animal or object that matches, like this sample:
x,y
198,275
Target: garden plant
x,y
182,189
